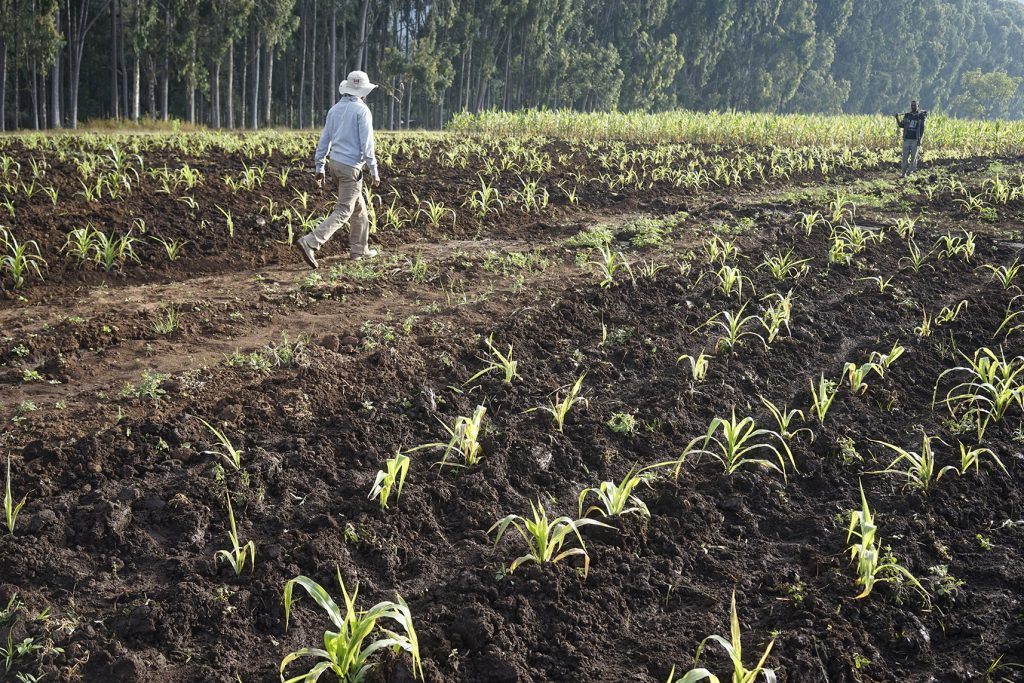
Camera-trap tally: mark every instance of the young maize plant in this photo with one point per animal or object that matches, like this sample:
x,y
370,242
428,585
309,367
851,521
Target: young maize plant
x,y
698,366
346,652
734,649
992,387
464,440
11,508
730,281
172,246
545,537
809,221
434,212
1006,275
971,457
110,251
905,227
560,408
720,250
919,470
1009,326
498,361
733,325
391,478
872,567
957,246
841,208
739,440
925,328
609,264
19,259
822,397
230,453
949,313
615,500
840,251
783,266
858,374
777,315
230,220
917,258
883,283
784,419
238,553
884,360
485,199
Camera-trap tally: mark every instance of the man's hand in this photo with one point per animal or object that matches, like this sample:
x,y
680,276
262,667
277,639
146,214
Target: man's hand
x,y
320,178
375,181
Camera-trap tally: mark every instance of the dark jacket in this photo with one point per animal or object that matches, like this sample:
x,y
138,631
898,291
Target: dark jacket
x,y
912,125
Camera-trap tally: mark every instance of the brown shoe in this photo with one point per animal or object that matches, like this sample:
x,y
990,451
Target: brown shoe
x,y
307,253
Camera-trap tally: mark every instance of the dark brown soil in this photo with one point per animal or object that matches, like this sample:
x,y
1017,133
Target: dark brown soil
x,y
125,509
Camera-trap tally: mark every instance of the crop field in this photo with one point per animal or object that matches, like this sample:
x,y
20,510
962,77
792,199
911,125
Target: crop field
x,y
608,391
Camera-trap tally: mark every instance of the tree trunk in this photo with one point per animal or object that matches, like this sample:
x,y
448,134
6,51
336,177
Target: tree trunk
x,y
334,52
361,45
244,95
55,84
256,82
125,106
302,73
268,87
231,84
151,86
3,85
35,96
215,104
136,87
114,95
192,85
312,74
165,77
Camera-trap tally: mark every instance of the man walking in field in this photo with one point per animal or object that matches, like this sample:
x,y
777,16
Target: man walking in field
x,y
346,145
912,124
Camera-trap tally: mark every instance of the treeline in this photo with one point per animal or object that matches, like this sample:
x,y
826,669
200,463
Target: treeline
x,y
257,63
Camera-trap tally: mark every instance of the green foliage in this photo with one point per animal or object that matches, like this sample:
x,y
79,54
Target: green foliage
x,y
346,652
986,94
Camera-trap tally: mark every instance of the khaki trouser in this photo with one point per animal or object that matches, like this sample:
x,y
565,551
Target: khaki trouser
x,y
908,162
351,209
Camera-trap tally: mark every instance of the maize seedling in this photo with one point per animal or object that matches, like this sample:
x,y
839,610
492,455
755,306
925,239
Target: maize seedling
x,y
498,361
11,508
971,457
734,649
739,439
391,478
346,653
822,397
698,366
872,567
464,440
230,453
920,467
615,500
560,408
238,553
545,537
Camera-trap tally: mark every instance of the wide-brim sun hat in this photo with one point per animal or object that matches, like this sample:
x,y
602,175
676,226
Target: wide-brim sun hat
x,y
357,83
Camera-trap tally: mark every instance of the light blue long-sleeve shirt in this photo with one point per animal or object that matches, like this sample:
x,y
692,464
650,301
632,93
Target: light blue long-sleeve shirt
x,y
348,136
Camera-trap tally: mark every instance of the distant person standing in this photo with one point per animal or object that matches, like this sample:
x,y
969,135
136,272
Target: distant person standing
x,y
346,145
912,124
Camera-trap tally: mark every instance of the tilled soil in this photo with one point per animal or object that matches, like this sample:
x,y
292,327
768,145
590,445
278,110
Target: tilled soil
x,y
126,504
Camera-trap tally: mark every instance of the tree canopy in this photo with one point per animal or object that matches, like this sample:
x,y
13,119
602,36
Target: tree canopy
x,y
277,62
